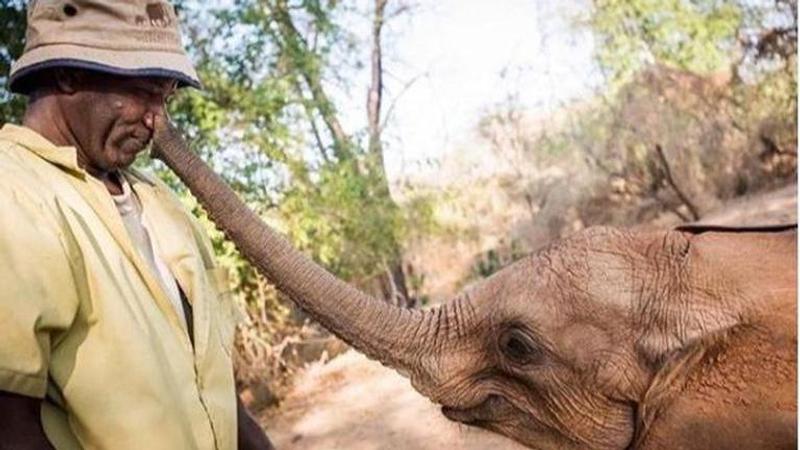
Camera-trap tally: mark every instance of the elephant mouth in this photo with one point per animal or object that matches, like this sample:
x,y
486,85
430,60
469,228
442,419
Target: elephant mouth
x,y
480,414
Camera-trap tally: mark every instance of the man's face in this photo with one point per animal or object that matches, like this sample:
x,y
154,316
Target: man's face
x,y
112,117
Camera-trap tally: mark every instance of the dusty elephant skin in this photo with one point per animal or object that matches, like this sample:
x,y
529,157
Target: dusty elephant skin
x,y
610,339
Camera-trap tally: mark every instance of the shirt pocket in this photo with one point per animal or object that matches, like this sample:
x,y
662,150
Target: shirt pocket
x,y
226,315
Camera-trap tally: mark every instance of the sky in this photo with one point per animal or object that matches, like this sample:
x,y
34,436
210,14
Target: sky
x,y
447,62
464,56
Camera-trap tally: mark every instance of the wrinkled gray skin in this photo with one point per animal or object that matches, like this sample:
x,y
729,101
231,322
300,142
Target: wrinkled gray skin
x,y
608,340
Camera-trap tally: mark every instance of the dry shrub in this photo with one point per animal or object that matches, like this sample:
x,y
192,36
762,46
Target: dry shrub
x,y
273,342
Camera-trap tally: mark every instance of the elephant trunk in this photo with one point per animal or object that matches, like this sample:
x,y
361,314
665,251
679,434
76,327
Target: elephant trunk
x,y
397,337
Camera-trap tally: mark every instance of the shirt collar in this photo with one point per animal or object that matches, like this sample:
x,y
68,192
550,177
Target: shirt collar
x,y
65,157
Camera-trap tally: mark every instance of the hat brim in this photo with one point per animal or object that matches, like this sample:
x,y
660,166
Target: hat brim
x,y
117,62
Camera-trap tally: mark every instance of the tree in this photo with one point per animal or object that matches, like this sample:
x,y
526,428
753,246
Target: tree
x,y
698,106
698,90
694,35
338,205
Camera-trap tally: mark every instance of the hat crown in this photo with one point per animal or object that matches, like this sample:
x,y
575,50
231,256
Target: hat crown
x,y
131,25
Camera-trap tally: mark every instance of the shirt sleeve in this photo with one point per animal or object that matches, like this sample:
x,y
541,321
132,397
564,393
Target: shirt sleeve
x,y
38,295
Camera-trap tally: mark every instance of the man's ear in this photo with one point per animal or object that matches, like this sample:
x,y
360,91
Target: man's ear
x,y
67,80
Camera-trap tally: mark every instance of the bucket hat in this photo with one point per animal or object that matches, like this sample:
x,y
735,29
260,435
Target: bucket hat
x,y
120,37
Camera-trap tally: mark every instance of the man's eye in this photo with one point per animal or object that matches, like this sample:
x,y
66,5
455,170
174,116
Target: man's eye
x,y
144,92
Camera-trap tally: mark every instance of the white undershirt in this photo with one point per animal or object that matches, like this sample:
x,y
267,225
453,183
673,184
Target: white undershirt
x,y
136,223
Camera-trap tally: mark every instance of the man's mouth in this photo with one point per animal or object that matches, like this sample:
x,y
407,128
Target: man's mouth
x,y
134,145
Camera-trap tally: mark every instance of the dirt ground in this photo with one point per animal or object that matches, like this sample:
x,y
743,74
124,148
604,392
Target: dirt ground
x,y
352,403
771,208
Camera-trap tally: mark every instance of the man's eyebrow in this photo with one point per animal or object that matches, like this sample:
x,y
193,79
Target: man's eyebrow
x,y
157,86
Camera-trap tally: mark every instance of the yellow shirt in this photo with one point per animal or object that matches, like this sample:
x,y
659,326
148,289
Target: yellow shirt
x,y
86,325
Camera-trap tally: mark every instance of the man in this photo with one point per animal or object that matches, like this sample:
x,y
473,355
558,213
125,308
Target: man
x,y
116,326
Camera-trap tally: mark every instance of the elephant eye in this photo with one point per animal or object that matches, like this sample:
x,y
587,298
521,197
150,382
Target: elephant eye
x,y
519,347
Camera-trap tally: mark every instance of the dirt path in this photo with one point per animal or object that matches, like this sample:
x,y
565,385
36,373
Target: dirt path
x,y
770,208
352,403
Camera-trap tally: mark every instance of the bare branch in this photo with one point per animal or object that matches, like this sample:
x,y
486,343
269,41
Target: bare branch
x,y
403,8
671,181
317,138
390,109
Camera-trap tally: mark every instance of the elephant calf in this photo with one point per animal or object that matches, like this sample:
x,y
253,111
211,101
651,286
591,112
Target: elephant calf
x,y
610,339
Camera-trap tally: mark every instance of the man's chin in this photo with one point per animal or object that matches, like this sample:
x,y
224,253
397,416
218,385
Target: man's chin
x,y
126,157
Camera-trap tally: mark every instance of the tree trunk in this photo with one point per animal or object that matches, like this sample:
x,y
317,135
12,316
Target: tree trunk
x,y
391,282
393,279
375,94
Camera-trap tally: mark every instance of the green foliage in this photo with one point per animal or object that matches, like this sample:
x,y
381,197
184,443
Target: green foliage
x,y
12,41
774,96
713,84
282,148
693,35
344,220
495,259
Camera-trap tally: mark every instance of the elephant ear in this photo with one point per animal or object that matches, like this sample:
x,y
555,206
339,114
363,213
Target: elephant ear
x,y
729,390
690,424
711,278
754,260
732,383
695,402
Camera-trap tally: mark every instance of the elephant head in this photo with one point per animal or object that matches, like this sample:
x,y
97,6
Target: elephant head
x,y
558,350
